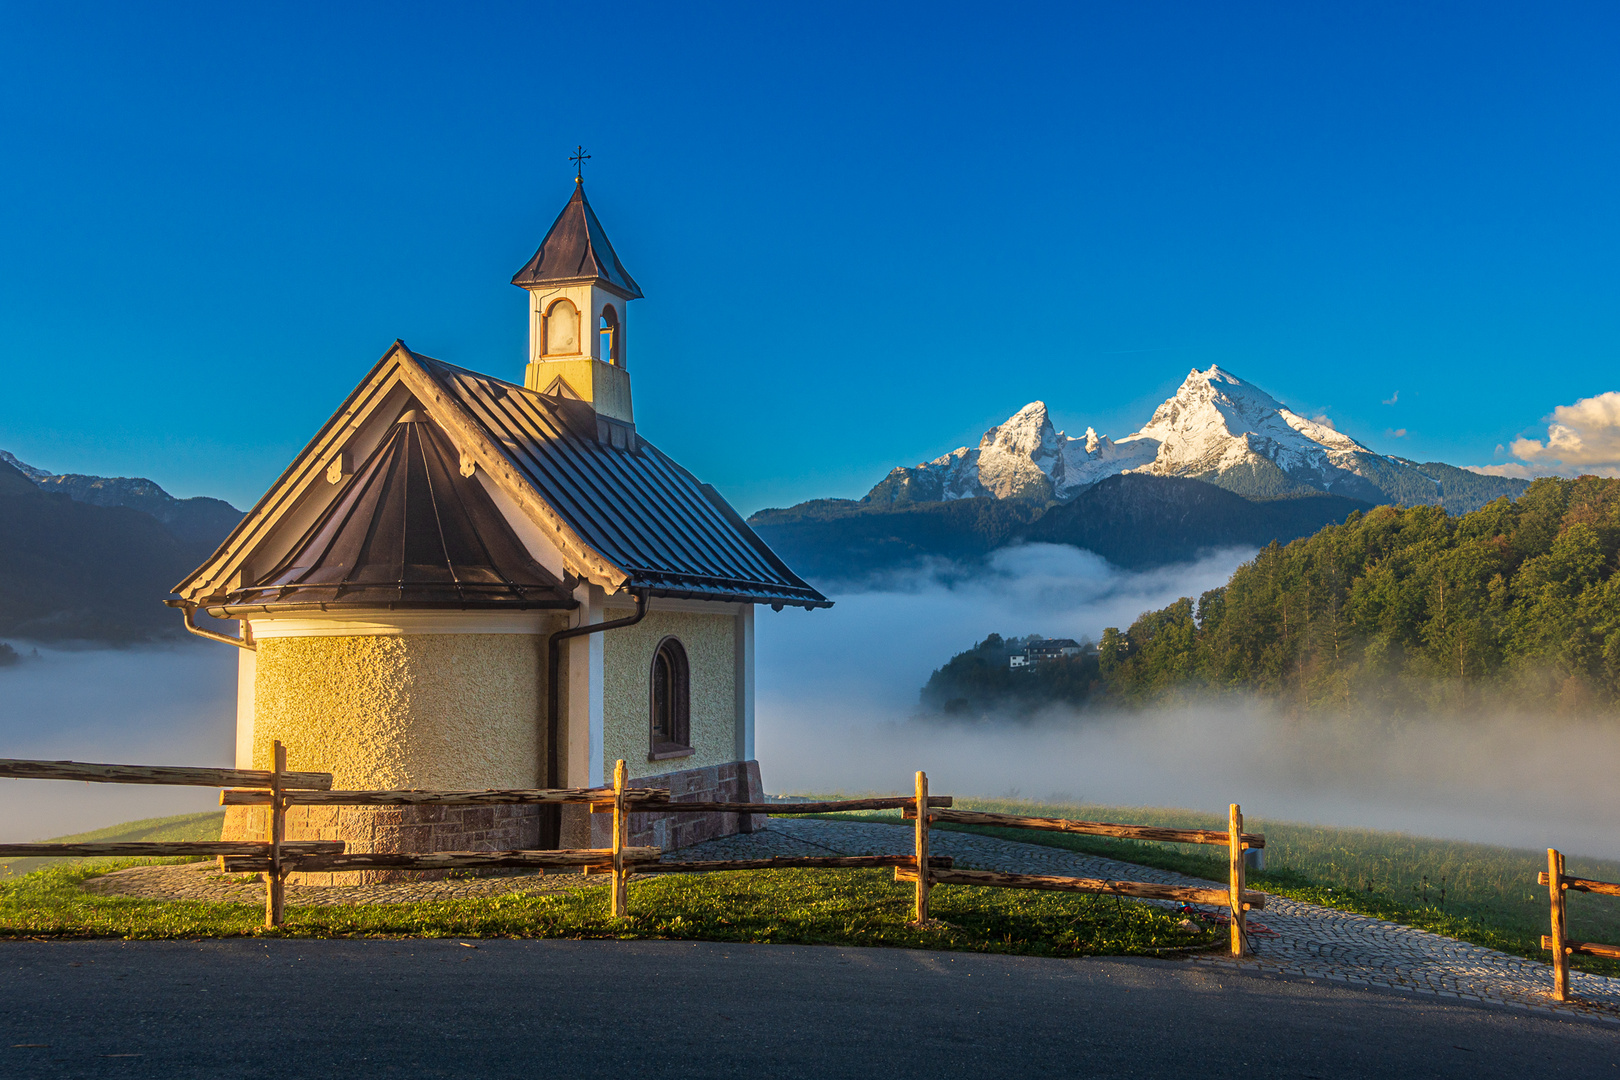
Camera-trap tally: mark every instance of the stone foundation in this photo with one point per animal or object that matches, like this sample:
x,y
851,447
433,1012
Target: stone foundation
x,y
506,828
735,781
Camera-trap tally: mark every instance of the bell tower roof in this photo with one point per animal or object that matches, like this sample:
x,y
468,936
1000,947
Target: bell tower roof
x,y
577,250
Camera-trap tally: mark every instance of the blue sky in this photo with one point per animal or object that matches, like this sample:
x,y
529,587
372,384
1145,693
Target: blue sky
x,y
865,232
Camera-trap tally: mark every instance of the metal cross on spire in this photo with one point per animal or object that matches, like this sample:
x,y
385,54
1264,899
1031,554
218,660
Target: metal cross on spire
x,y
579,158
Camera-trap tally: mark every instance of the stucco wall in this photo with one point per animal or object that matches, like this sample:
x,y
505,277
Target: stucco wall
x,y
447,711
710,643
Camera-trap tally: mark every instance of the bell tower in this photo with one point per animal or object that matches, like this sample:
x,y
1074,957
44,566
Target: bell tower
x,y
579,294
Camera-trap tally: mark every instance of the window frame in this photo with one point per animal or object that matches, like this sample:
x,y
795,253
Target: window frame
x,y
680,745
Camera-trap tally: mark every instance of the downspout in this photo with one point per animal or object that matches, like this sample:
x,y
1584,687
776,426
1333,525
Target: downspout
x,y
551,818
189,610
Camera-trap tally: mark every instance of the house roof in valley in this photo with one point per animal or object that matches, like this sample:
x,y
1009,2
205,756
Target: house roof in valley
x,y
622,514
576,249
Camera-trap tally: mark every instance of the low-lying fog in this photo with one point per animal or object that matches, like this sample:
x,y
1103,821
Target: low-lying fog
x,y
173,705
837,690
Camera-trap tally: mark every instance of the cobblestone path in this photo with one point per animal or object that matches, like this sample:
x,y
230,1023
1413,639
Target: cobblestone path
x,y
1298,939
1290,937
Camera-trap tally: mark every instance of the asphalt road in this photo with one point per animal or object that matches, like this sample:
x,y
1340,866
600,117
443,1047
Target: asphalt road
x,y
627,1010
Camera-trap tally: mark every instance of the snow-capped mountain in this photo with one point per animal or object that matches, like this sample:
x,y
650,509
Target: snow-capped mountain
x,y
1216,428
1024,458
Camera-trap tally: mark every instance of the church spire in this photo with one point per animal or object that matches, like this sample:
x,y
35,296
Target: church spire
x,y
576,250
579,293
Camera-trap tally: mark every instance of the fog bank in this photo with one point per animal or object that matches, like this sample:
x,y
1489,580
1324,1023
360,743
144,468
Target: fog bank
x,y
837,690
168,705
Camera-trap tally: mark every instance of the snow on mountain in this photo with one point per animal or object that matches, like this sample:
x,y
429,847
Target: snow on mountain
x,y
1024,458
1217,423
23,467
1216,428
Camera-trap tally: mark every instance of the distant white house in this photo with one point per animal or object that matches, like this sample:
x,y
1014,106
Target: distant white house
x,y
1049,649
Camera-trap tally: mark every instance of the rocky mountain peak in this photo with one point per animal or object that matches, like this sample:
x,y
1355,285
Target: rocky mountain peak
x,y
1216,427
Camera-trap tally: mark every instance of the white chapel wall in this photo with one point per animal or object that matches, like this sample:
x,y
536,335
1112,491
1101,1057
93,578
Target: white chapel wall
x,y
711,642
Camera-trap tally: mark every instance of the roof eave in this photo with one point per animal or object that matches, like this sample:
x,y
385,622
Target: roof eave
x,y
634,293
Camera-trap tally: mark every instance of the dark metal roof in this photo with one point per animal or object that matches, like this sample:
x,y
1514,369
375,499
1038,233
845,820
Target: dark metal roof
x,y
642,511
577,249
409,531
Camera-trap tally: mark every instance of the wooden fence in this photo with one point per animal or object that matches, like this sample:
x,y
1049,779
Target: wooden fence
x,y
1236,898
1558,942
275,856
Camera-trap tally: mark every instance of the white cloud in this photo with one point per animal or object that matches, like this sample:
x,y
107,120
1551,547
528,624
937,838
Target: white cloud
x,y
1581,438
1393,398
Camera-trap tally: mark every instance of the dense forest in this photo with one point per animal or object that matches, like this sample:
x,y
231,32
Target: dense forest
x,y
1406,609
1398,610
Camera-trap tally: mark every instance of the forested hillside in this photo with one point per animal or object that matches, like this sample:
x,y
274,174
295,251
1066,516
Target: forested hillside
x,y
1515,605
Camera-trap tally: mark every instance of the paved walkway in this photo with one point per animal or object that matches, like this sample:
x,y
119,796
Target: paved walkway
x,y
1291,937
1303,939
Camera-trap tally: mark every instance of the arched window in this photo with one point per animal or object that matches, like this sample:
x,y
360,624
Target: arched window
x,y
562,329
609,340
670,699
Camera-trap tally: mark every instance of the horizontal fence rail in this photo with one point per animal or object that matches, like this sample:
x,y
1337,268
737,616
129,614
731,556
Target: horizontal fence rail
x,y
412,797
167,848
1094,828
550,859
829,807
1140,890
1583,948
797,862
1578,884
170,775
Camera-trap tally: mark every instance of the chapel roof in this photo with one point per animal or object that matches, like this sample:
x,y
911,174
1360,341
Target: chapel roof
x,y
408,530
617,511
644,513
576,249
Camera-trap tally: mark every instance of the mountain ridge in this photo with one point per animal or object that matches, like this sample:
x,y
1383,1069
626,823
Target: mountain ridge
x,y
199,519
1216,428
83,558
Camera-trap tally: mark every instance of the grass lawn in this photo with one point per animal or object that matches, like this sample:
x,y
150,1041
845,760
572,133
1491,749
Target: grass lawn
x,y
828,907
1472,892
1478,893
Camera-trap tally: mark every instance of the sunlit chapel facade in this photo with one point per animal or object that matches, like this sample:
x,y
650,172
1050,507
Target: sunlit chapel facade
x,y
416,592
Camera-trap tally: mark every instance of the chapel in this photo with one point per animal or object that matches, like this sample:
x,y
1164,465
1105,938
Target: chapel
x,y
463,582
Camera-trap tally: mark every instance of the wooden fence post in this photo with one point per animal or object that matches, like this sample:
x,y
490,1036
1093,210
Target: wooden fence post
x,y
621,830
1234,851
922,847
1560,925
275,882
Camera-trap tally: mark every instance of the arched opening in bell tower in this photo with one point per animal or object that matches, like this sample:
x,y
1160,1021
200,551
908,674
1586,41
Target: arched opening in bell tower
x,y
561,330
610,341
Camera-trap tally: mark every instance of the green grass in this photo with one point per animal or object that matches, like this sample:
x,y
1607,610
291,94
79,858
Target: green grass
x,y
1478,893
204,826
1472,892
842,907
